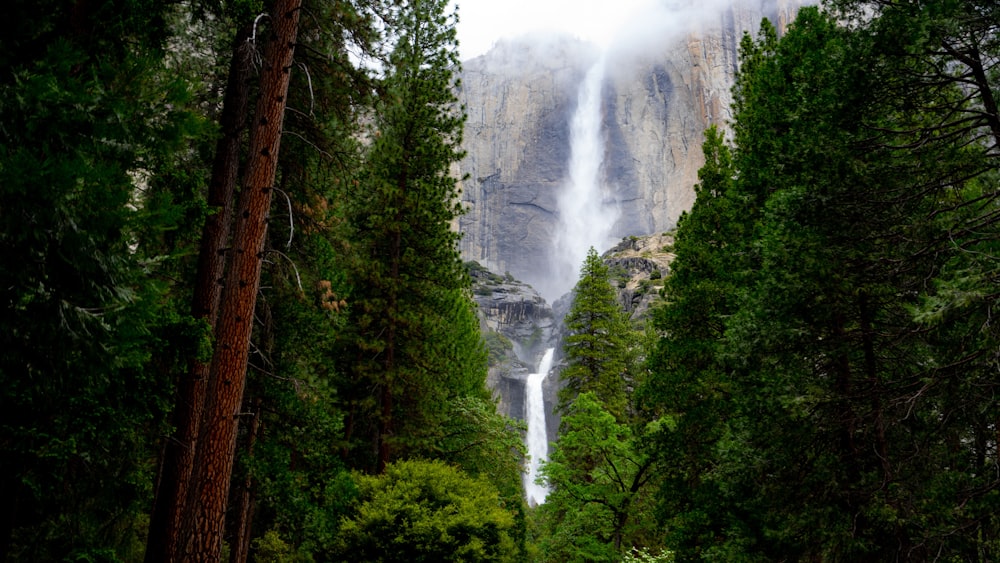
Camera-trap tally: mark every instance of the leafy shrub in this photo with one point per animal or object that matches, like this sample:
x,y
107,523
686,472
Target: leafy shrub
x,y
427,511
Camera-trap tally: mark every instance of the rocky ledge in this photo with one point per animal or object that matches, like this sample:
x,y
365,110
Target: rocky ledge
x,y
517,326
638,265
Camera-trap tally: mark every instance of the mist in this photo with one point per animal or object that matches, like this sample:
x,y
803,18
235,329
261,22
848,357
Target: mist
x,y
613,44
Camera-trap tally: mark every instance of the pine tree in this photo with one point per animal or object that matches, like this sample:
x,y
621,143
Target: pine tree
x,y
600,504
204,517
290,484
177,460
597,471
416,343
815,417
598,342
689,376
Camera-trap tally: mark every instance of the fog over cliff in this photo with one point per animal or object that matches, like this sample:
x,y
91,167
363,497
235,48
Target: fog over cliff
x,y
664,80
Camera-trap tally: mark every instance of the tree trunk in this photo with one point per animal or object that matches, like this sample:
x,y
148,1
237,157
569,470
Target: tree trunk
x,y
972,58
385,420
178,452
205,514
240,544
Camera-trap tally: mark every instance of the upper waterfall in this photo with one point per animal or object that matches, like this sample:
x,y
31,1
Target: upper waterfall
x,y
656,100
587,212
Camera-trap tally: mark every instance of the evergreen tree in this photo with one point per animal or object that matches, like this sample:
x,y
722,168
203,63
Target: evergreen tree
x,y
177,460
689,376
600,505
416,344
290,485
597,471
821,418
598,342
92,120
204,517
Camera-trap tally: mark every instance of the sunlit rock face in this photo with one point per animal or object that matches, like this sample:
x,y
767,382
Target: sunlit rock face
x,y
658,96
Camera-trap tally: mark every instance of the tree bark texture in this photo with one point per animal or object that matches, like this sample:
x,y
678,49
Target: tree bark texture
x,y
239,546
205,518
179,450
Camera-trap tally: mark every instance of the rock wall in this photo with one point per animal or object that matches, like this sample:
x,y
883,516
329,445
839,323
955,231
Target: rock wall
x,y
519,99
518,325
637,267
657,102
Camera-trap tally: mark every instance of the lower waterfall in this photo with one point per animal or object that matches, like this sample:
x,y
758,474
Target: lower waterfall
x,y
537,440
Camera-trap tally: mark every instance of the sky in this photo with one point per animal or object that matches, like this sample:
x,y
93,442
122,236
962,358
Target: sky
x,y
483,22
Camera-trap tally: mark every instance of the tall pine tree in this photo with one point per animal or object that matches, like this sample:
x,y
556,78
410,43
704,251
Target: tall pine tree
x,y
204,512
817,418
416,343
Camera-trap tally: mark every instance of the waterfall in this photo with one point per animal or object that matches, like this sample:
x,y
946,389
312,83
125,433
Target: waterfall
x,y
586,215
537,440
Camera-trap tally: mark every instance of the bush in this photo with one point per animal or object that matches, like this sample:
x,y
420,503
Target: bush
x,y
427,511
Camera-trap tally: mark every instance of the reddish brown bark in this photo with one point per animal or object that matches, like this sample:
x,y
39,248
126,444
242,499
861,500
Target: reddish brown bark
x,y
205,515
178,452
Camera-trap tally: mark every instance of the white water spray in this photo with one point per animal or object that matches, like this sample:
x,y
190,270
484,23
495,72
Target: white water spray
x,y
586,215
537,440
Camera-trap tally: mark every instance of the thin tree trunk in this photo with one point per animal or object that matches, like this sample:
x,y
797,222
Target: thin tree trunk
x,y
385,421
205,514
178,454
973,60
240,545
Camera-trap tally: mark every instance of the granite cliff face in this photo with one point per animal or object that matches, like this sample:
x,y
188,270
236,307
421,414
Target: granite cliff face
x,y
517,326
637,267
657,100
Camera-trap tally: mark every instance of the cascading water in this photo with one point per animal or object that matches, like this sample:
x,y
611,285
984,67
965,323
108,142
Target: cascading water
x,y
586,215
586,219
537,440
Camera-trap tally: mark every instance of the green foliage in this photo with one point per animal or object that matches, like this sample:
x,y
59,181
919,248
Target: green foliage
x,y
415,344
89,114
598,473
599,340
813,417
426,511
482,275
295,467
643,555
270,548
597,507
498,347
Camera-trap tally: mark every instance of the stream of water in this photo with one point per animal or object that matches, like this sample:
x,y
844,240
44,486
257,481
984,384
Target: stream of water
x,y
537,440
587,215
